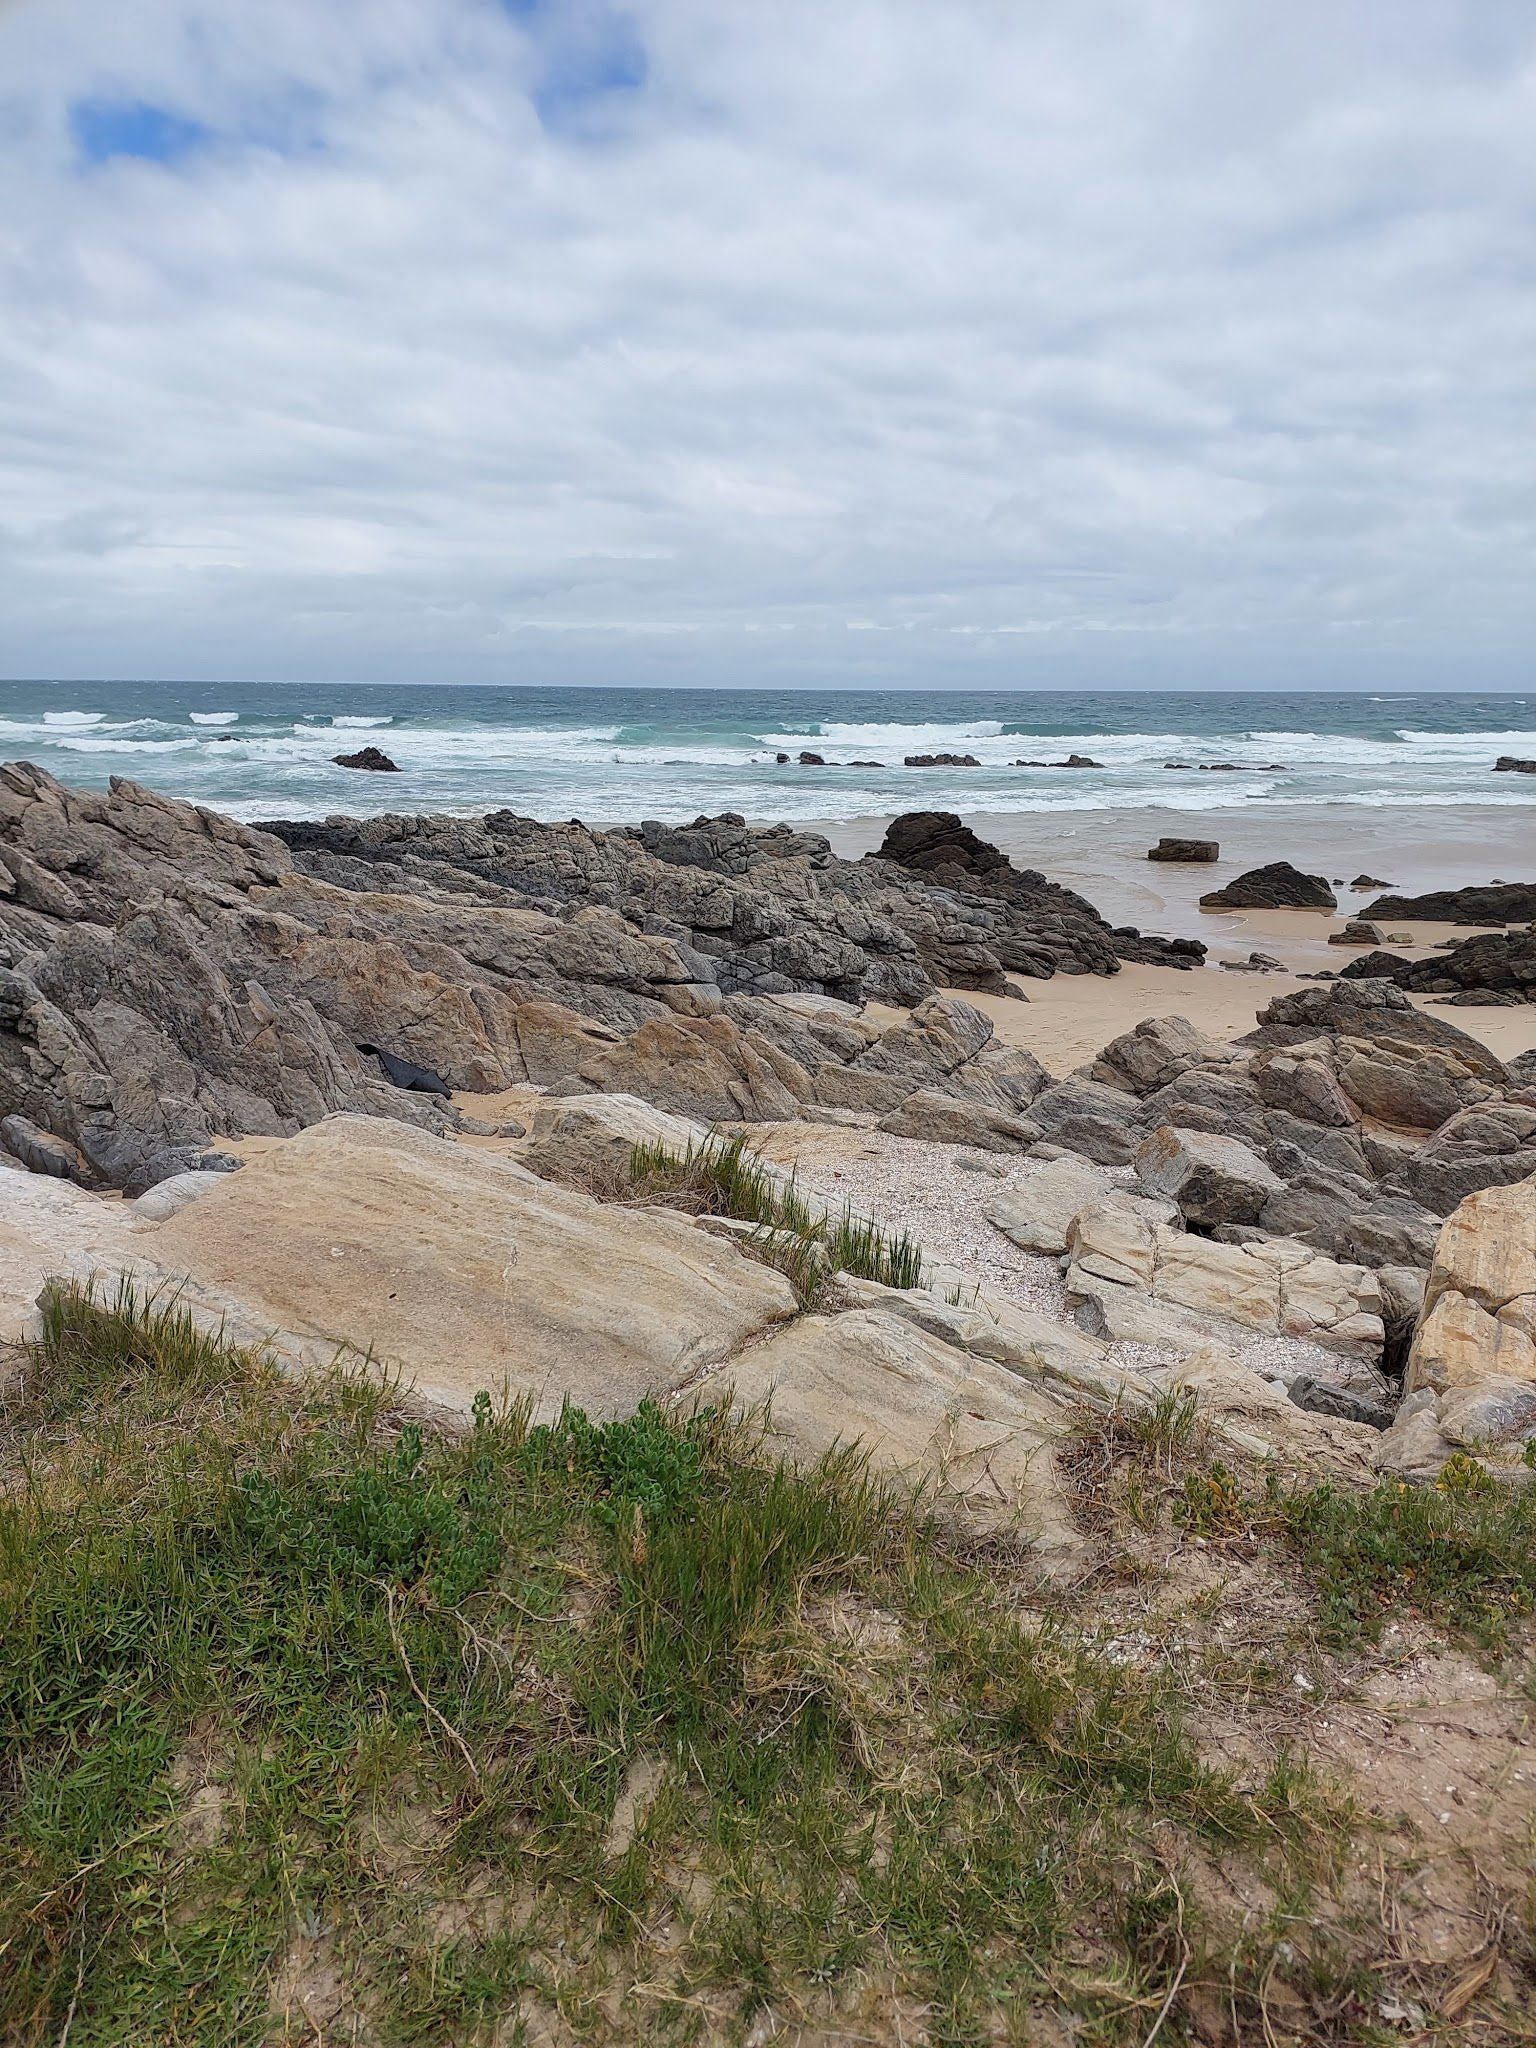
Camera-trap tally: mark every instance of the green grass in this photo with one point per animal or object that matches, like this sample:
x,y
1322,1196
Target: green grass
x,y
315,1724
727,1178
1460,1554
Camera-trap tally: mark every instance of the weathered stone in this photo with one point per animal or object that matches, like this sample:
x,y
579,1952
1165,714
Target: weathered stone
x,y
1303,1085
1278,886
1478,903
47,1226
1414,1092
978,1437
947,1120
1088,1118
702,1067
1212,1179
1036,1212
1370,1010
589,1140
1155,1052
461,1270
1204,850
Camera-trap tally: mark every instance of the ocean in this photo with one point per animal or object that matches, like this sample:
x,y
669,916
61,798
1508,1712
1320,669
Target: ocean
x,y
264,750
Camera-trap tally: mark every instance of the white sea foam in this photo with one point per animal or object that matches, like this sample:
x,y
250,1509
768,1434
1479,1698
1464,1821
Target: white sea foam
x,y
214,717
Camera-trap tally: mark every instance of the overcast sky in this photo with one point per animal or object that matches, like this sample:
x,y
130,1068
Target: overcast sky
x,y
1173,342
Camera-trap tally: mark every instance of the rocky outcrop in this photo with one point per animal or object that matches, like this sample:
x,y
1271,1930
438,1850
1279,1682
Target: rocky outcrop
x,y
169,978
1498,961
1513,764
373,759
1144,1279
1211,1179
1470,1384
460,1270
1279,886
1185,850
1036,927
1478,903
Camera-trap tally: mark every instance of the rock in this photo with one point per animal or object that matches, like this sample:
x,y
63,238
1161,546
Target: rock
x,y
1369,882
975,1435
1211,1178
1369,1010
1412,1090
1088,1118
1279,886
1034,927
589,1140
1321,1397
1150,1282
940,761
372,758
1474,1347
704,1067
47,1225
375,1238
1305,1086
1390,1232
1155,1052
1046,1349
1492,963
1036,1212
41,1152
1511,764
1185,849
1478,903
944,1120
162,1201
1358,931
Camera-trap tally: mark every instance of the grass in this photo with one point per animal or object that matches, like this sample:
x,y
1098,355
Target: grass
x,y
316,1725
723,1177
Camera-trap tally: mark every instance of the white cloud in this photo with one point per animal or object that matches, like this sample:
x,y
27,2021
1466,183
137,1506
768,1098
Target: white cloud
x,y
1180,342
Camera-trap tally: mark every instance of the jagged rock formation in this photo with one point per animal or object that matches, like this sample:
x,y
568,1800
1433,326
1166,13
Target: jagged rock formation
x,y
1037,927
1478,903
1278,886
168,977
1495,962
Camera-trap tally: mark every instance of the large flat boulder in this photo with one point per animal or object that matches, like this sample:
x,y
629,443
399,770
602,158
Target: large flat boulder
x,y
977,1436
45,1226
1036,1212
460,1270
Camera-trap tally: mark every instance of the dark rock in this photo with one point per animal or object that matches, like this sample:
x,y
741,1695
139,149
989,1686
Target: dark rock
x,y
1368,1009
1369,882
1511,764
940,761
1033,927
1489,961
812,761
1185,849
1479,903
1324,1397
41,1152
372,758
1276,887
1358,931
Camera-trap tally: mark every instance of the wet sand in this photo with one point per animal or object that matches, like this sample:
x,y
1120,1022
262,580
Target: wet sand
x,y
1102,854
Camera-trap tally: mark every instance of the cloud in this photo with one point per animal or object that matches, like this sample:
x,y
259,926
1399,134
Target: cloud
x,y
507,339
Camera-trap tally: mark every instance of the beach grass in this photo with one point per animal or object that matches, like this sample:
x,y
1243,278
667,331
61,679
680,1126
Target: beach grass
x,y
321,1724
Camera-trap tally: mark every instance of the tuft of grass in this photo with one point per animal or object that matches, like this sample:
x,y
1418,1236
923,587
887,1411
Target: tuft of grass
x,y
726,1178
317,1724
1461,1553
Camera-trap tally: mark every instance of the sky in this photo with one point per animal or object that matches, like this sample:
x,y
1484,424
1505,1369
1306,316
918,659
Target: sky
x,y
1183,343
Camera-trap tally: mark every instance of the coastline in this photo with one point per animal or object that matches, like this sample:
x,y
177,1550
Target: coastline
x,y
1102,855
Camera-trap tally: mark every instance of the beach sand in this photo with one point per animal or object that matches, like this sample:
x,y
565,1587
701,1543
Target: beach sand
x,y
1102,854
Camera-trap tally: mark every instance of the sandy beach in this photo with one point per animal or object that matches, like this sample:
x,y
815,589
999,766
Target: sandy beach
x,y
1103,855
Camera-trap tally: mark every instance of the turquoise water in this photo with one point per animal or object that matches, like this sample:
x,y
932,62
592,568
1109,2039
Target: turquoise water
x,y
264,750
